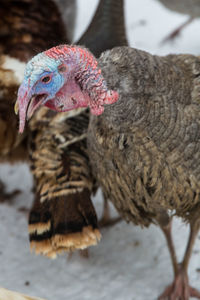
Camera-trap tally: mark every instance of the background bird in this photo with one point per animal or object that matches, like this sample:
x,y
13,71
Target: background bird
x,y
187,7
145,146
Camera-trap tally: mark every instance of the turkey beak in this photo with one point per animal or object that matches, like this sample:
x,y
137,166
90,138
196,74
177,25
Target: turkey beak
x,y
23,99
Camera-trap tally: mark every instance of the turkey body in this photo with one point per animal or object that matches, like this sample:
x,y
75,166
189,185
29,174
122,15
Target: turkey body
x,y
145,148
143,135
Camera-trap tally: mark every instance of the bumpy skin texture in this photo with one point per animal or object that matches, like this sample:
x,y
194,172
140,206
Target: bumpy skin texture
x,y
149,141
84,83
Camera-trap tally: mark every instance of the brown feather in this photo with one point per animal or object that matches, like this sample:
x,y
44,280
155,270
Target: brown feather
x,y
62,217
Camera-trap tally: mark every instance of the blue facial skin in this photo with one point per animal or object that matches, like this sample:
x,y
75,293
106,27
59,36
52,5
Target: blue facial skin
x,y
37,69
40,66
51,87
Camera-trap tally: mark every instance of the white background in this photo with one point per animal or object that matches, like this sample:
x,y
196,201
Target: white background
x,y
129,262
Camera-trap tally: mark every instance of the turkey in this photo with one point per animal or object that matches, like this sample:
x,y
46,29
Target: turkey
x,y
143,136
187,7
62,217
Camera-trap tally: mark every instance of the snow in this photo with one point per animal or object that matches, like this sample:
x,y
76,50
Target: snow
x,y
129,263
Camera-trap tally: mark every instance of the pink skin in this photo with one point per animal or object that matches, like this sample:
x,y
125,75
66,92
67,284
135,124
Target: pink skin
x,y
68,97
84,84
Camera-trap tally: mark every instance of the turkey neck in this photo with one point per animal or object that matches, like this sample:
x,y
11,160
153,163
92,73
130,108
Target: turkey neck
x,y
107,28
150,87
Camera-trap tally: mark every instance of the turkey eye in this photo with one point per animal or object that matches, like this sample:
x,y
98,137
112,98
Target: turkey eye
x,y
46,79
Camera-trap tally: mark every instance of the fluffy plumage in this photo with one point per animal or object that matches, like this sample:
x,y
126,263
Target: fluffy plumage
x,y
62,216
148,143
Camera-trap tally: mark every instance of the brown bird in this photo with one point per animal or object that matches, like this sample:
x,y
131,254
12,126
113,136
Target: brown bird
x,y
62,217
187,7
143,147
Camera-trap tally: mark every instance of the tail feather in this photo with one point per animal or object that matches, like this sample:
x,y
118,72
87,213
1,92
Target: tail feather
x,y
62,217
63,224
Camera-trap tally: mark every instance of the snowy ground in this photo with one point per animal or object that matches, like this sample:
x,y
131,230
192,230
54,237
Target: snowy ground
x,y
129,263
